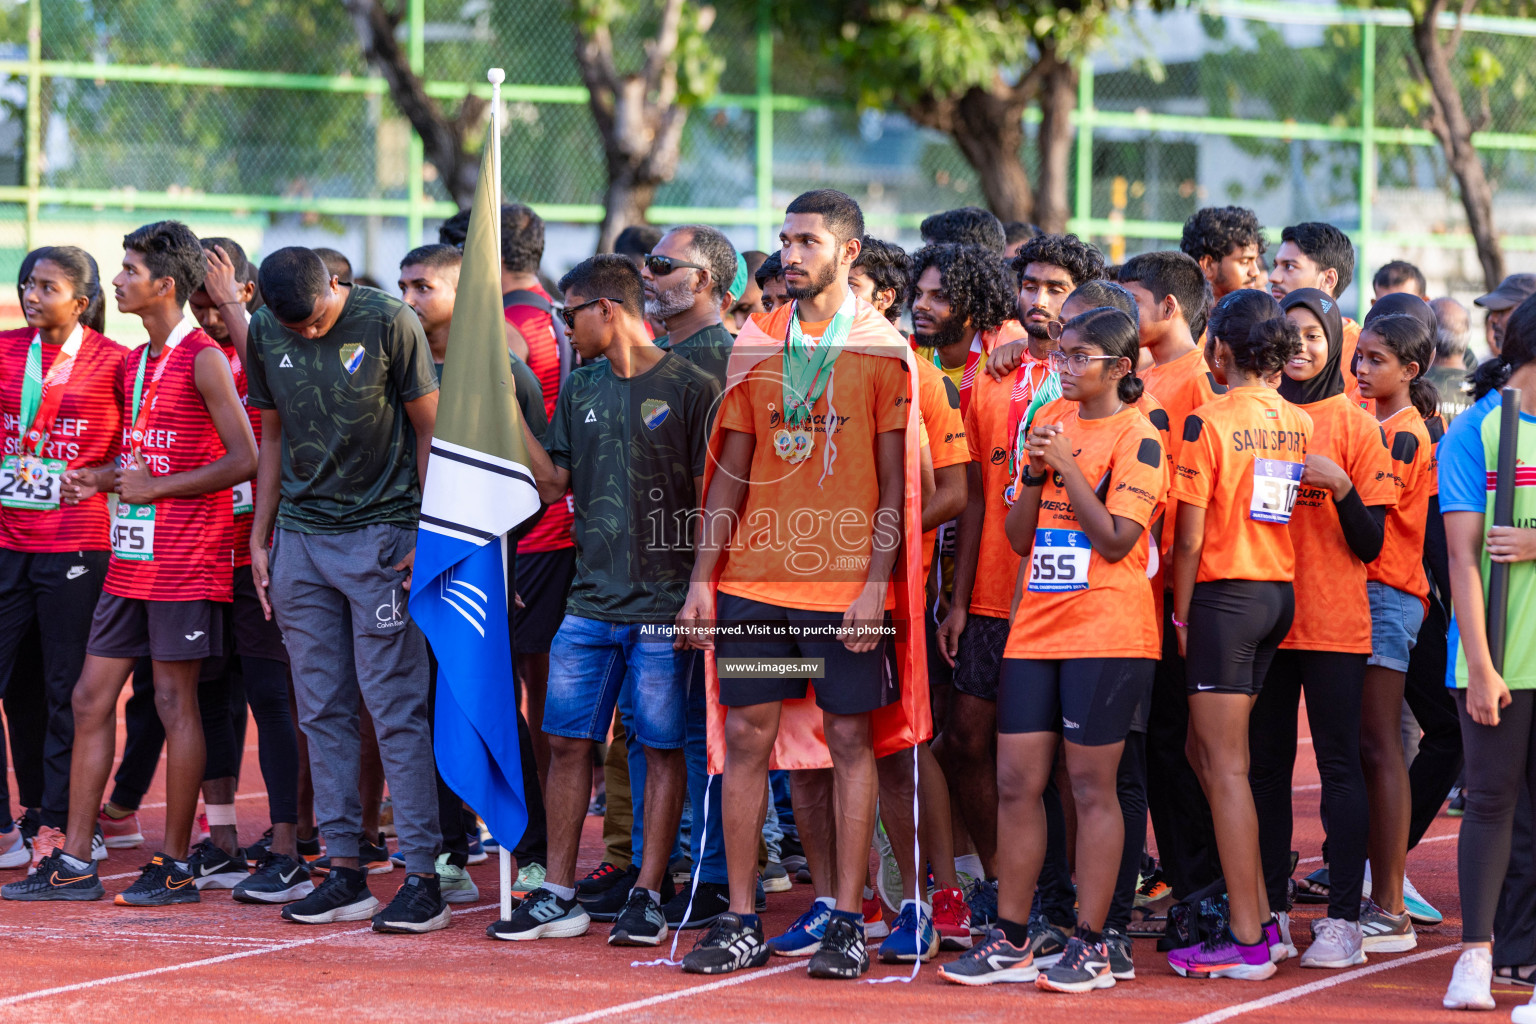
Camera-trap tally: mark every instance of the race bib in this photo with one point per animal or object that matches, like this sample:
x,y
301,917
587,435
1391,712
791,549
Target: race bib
x,y
243,503
1059,561
133,532
31,482
1274,490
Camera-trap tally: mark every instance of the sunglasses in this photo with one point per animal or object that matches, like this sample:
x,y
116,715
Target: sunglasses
x,y
661,266
1076,364
568,314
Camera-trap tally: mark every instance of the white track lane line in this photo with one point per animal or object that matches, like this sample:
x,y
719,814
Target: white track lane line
x,y
43,993
1301,991
238,796
108,934
1431,839
683,993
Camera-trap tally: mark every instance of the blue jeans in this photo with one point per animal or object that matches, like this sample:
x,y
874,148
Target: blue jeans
x,y
590,662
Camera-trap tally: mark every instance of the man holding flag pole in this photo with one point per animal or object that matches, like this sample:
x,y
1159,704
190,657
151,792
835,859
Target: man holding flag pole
x,y
480,489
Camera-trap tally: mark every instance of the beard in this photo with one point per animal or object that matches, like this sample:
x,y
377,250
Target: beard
x,y
1034,330
948,333
671,302
819,283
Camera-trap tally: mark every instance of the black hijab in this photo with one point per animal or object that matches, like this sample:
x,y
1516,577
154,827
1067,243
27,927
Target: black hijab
x,y
1330,381
1399,303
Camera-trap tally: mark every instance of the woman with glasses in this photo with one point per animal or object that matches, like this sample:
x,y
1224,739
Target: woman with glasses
x,y
1094,481
1239,471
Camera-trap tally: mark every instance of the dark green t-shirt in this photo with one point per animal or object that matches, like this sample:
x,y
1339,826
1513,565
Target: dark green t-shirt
x,y
349,452
633,447
709,350
530,397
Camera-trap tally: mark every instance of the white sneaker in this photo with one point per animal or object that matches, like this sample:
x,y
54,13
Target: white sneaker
x,y
1336,943
1285,949
15,854
1471,985
1417,906
1524,1014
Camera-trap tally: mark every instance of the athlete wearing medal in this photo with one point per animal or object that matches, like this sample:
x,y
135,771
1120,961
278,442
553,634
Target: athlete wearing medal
x,y
186,442
59,410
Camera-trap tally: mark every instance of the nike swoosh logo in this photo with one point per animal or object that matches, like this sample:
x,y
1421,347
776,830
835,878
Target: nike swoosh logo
x,y
204,872
194,636
75,573
56,880
1197,685
171,883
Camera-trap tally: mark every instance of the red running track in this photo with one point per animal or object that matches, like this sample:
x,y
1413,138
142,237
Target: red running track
x,y
222,961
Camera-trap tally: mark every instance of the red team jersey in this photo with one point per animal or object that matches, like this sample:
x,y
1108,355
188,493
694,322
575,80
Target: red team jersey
x,y
244,497
191,535
86,432
553,531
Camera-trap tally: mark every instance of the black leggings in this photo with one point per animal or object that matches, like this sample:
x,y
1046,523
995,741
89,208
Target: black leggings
x,y
1498,761
1131,784
1438,764
263,684
1334,684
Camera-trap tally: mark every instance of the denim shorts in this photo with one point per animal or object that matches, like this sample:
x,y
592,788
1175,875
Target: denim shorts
x,y
1396,616
588,663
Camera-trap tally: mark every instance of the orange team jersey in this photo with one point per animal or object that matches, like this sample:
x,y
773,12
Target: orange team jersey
x,y
804,537
86,431
1347,361
1401,564
1241,459
1182,385
1333,611
1070,590
184,555
986,431
938,399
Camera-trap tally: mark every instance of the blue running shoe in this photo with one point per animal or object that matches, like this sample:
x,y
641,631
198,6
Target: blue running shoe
x,y
804,936
981,897
477,854
912,937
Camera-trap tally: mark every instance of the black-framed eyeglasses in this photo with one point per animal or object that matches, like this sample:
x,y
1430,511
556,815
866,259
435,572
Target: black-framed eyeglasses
x,y
568,314
661,266
1076,364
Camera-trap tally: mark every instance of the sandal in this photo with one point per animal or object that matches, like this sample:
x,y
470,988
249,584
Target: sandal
x,y
1522,975
1313,888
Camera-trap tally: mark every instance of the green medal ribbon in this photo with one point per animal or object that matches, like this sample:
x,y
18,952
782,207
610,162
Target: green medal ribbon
x,y
807,367
32,383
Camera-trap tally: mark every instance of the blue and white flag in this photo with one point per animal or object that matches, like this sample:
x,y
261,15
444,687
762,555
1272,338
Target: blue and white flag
x,y
478,489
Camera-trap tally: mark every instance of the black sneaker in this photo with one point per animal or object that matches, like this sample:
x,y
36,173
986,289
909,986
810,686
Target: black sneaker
x,y
309,849
1047,942
55,880
162,883
730,944
640,923
29,823
260,849
600,879
542,915
417,907
991,962
710,900
1083,967
212,868
278,879
607,906
343,896
842,953
371,857
1120,963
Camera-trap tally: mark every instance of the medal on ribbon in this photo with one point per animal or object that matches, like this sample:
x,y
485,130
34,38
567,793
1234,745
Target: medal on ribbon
x,y
807,371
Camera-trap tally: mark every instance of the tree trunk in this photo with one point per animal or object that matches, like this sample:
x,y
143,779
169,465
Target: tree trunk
x,y
624,204
989,131
1451,127
1058,97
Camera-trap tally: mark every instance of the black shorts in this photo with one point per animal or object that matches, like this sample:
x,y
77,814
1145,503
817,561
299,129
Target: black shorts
x,y
255,635
543,578
852,684
1235,627
126,627
1090,701
979,661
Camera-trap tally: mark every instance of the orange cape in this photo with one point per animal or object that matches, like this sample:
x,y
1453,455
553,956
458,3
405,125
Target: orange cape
x,y
908,721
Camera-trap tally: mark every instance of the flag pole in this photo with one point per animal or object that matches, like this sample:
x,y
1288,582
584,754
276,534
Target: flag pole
x,y
492,151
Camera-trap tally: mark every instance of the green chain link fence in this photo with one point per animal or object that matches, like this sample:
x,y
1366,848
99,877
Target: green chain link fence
x,y
246,115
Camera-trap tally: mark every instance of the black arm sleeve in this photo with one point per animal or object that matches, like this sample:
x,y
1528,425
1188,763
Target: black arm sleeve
x,y
1437,562
1363,527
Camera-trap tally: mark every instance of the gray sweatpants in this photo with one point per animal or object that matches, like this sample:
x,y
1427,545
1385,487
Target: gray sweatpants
x,y
341,607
